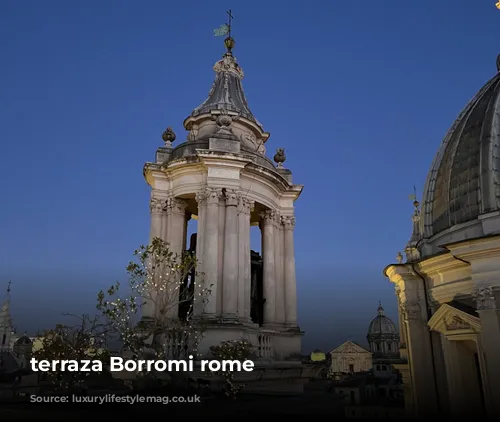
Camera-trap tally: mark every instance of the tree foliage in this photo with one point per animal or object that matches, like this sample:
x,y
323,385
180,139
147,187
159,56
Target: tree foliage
x,y
239,350
83,340
165,288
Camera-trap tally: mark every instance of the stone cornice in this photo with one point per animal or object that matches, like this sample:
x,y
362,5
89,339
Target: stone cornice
x,y
440,263
480,248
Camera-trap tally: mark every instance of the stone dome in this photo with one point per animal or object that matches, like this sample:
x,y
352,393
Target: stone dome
x,y
381,326
463,184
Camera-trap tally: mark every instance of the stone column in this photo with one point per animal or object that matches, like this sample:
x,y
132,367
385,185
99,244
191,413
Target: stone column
x,y
230,271
164,222
279,263
211,250
156,208
222,225
489,315
200,281
244,260
288,223
269,282
176,210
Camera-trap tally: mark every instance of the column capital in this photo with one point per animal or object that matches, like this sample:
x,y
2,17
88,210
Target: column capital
x,y
213,196
176,205
268,216
411,310
156,205
232,198
288,222
245,205
201,198
484,297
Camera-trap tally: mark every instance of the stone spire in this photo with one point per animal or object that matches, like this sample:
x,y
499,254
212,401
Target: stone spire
x,y
5,319
6,327
227,90
411,251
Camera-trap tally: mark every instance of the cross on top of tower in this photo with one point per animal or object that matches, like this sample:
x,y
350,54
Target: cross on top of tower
x,y
229,20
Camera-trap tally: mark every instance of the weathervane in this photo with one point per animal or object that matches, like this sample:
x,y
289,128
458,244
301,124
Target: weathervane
x,y
225,29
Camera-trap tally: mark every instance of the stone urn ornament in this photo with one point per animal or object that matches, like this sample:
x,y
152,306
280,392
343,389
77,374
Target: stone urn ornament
x,y
168,137
224,122
280,157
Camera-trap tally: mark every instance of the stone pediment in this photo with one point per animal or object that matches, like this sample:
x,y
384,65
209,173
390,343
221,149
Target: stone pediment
x,y
451,321
349,347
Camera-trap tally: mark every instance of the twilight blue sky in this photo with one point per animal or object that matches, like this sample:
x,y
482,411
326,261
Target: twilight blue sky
x,y
359,93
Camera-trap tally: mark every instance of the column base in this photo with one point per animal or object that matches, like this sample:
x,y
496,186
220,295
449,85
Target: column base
x,y
230,319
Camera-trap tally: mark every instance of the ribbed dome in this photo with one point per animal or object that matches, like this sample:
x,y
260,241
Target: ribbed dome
x,y
464,181
381,326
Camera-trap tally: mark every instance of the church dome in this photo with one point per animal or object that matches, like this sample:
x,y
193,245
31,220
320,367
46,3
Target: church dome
x,y
464,182
381,326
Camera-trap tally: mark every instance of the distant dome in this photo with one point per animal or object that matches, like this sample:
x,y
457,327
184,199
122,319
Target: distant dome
x,y
464,181
381,326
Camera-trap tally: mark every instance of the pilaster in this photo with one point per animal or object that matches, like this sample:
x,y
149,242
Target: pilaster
x,y
489,315
414,314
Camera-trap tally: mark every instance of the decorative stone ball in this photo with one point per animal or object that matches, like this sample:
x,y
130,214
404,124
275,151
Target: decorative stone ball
x,y
280,156
168,135
223,120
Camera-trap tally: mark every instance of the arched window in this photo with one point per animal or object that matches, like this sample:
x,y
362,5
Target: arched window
x,y
4,339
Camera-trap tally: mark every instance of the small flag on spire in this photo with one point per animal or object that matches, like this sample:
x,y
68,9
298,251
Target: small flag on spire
x,y
221,30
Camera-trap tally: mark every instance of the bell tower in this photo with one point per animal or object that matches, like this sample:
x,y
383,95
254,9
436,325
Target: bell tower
x,y
220,176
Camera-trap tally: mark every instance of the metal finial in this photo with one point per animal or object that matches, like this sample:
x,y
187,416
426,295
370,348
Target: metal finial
x,y
8,286
413,197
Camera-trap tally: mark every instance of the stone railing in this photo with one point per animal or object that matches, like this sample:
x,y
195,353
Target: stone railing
x,y
176,344
265,346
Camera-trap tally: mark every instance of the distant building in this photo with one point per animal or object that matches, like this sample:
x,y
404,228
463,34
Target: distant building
x,y
349,358
318,356
383,340
14,349
365,380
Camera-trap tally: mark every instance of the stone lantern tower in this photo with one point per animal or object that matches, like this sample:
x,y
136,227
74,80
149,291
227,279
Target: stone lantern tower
x,y
221,176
